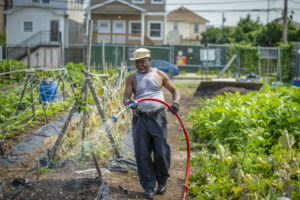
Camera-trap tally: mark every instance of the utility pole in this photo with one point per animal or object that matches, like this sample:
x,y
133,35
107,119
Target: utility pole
x,y
268,12
223,20
284,35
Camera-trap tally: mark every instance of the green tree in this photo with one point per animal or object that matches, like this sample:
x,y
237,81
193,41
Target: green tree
x,y
243,33
217,35
293,33
270,35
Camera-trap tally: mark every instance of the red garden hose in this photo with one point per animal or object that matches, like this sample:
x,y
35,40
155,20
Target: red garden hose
x,y
187,142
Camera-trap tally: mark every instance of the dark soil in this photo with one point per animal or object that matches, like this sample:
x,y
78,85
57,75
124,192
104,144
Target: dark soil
x,y
81,188
212,89
12,141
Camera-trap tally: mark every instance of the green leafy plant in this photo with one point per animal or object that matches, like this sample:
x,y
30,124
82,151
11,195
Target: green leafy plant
x,y
249,146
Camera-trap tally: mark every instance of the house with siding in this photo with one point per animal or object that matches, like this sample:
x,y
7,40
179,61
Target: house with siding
x,y
184,26
140,22
3,4
42,25
1,16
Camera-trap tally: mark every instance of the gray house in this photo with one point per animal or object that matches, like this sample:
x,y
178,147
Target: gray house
x,y
42,24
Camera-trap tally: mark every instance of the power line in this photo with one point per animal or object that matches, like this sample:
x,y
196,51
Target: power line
x,y
194,10
210,3
296,2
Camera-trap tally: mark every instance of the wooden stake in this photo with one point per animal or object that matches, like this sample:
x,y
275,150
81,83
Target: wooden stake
x,y
105,69
102,115
40,100
32,97
10,77
86,88
45,59
31,84
88,62
84,124
1,148
22,94
103,57
96,165
63,72
51,57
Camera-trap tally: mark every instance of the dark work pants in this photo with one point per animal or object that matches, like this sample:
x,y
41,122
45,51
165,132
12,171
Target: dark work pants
x,y
150,135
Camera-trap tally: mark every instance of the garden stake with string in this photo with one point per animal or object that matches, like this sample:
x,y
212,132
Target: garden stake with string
x,y
87,83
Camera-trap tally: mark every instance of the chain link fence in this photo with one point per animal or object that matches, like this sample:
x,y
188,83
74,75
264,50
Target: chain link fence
x,y
208,61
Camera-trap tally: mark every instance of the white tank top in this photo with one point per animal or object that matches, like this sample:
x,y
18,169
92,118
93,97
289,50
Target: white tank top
x,y
146,86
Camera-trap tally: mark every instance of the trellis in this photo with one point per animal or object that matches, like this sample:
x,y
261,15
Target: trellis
x,y
269,53
31,79
84,91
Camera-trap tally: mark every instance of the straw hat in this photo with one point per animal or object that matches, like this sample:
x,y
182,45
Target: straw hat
x,y
140,53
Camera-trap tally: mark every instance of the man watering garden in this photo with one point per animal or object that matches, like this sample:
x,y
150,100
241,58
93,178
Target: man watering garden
x,y
149,124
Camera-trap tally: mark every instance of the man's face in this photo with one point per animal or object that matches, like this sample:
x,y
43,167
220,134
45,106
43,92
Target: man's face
x,y
142,65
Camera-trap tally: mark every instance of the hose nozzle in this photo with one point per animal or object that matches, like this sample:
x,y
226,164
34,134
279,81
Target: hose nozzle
x,y
132,104
115,118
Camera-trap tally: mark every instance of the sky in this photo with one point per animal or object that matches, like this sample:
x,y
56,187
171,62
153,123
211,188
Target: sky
x,y
212,10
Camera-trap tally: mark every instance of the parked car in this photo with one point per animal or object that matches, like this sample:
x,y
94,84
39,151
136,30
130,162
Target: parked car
x,y
162,65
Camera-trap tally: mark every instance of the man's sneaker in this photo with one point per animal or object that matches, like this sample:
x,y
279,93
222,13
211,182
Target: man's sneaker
x,y
149,194
161,189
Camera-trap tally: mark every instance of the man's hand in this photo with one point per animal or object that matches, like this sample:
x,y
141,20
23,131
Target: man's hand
x,y
133,104
175,107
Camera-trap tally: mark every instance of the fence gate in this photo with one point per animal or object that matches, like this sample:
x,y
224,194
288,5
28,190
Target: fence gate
x,y
268,53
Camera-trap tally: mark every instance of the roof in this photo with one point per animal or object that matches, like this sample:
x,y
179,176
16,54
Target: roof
x,y
35,5
119,1
184,14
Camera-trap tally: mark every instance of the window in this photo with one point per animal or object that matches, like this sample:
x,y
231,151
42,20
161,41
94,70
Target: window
x,y
35,1
103,24
135,27
28,27
155,30
196,28
46,1
175,26
157,1
138,1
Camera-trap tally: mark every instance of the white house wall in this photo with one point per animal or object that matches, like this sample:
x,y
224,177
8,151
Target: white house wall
x,y
75,31
193,34
61,4
44,57
40,18
183,28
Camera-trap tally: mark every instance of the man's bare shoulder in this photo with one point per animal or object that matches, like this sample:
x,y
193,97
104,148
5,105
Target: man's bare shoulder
x,y
131,77
162,74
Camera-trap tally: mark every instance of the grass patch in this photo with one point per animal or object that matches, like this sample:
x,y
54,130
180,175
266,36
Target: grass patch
x,y
44,170
186,85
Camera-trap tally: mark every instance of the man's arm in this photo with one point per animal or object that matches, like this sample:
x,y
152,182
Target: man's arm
x,y
128,89
167,83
